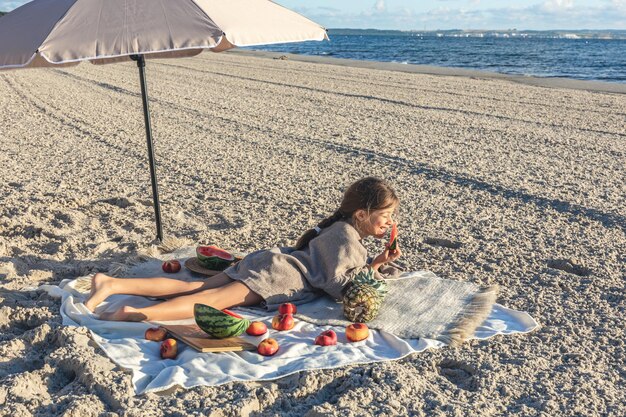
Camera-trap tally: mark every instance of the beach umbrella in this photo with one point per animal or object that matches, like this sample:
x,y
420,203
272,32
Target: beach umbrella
x,y
58,33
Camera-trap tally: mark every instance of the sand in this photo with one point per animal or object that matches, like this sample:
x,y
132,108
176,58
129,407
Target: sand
x,y
501,182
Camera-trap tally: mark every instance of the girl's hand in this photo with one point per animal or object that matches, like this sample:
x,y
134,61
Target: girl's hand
x,y
386,257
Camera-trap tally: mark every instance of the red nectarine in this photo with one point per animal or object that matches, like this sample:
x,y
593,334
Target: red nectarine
x,y
287,308
169,349
256,328
357,332
156,334
171,267
327,338
268,347
283,322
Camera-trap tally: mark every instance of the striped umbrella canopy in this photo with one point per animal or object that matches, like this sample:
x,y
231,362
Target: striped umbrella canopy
x,y
58,33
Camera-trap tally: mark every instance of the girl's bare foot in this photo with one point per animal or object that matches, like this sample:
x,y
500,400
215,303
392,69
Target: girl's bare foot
x,y
125,313
100,290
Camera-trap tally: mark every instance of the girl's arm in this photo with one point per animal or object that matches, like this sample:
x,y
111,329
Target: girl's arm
x,y
385,257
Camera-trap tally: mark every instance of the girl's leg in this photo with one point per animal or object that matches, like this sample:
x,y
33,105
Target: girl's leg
x,y
230,295
103,286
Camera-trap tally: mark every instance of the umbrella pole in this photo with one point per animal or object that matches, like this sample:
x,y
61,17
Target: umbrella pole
x,y
141,64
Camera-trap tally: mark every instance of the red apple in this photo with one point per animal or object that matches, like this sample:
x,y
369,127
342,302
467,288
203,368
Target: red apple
x,y
256,328
169,349
156,334
268,347
327,338
171,267
287,308
357,332
283,322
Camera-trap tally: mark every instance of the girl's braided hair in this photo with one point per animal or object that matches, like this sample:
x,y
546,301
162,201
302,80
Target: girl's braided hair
x,y
368,194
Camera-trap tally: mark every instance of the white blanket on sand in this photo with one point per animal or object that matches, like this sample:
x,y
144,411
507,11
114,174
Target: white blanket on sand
x,y
124,343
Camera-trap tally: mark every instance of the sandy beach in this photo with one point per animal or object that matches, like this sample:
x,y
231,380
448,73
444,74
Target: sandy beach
x,y
513,181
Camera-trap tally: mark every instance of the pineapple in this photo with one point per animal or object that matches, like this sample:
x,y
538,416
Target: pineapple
x,y
363,297
367,278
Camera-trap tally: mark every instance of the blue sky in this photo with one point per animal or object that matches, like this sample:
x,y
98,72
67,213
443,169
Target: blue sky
x,y
454,14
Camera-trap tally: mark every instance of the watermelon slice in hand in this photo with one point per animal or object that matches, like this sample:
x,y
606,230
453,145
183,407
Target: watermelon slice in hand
x,y
393,238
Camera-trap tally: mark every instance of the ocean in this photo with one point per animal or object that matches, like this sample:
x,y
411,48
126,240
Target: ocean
x,y
578,55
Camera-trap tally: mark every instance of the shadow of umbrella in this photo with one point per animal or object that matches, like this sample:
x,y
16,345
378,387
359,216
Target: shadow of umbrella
x,y
60,33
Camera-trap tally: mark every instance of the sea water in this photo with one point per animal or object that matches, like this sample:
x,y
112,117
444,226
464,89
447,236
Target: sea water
x,y
570,55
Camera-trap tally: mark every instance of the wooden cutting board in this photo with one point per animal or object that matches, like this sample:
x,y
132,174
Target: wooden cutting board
x,y
191,335
193,265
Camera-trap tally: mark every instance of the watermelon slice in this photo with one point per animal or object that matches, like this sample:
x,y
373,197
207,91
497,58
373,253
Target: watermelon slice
x,y
230,313
393,238
214,258
219,324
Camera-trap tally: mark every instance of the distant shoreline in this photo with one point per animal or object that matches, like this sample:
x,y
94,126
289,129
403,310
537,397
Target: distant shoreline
x,y
548,82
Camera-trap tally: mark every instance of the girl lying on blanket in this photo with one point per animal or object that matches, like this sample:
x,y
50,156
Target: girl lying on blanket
x,y
325,259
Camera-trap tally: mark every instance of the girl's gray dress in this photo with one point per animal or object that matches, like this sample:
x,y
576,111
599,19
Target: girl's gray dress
x,y
327,264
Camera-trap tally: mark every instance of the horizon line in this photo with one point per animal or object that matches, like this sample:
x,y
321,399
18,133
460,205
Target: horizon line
x,y
483,30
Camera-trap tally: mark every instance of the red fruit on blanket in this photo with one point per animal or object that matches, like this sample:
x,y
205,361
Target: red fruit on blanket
x,y
156,334
357,332
287,308
327,338
283,322
171,267
268,347
256,328
169,349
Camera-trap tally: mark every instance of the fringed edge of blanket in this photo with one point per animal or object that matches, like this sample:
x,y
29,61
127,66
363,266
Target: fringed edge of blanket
x,y
473,315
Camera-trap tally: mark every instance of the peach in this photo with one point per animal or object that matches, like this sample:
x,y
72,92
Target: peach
x,y
268,347
357,332
283,322
171,267
327,338
169,349
156,334
256,328
287,308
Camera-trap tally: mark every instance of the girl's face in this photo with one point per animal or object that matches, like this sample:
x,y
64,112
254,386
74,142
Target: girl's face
x,y
376,222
